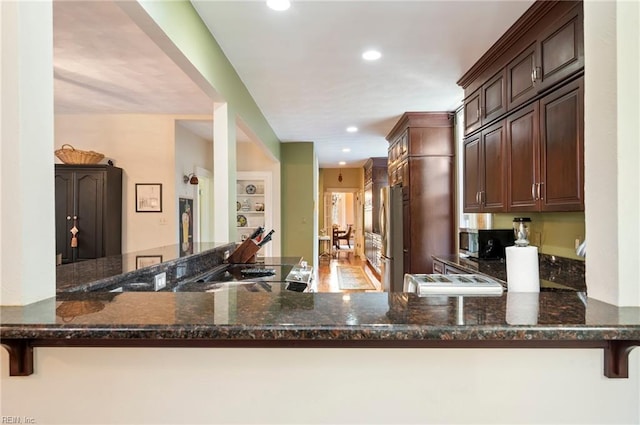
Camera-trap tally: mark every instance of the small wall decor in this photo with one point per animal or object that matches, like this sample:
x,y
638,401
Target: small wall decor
x,y
148,197
147,260
185,224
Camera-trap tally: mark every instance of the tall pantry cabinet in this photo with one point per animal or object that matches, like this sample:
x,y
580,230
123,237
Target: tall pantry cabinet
x,y
421,161
89,198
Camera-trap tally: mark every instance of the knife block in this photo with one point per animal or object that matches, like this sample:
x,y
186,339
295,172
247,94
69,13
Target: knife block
x,y
245,253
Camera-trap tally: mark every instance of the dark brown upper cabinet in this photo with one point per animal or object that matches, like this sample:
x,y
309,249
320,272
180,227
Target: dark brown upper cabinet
x,y
561,187
484,170
557,53
560,50
486,103
523,115
545,153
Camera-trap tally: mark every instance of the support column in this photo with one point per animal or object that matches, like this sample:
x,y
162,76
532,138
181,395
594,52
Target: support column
x,y
27,236
224,173
612,176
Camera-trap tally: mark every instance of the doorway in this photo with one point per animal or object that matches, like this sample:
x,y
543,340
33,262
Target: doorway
x,y
343,210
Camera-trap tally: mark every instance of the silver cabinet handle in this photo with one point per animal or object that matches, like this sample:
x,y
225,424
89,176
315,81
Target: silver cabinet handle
x,y
68,217
533,192
535,74
540,190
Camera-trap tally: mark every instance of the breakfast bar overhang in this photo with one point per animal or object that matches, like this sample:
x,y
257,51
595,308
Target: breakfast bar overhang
x,y
285,319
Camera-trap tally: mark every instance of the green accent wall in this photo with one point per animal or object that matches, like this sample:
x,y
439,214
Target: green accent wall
x,y
552,233
184,27
299,191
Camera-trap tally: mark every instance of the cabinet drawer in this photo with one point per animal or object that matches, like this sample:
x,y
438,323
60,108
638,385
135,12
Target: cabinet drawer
x,y
438,267
453,270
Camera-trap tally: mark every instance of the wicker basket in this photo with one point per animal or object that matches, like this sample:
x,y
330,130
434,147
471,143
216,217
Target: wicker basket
x,y
69,155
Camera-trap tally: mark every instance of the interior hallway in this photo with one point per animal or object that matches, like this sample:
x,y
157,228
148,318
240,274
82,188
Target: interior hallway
x,y
327,275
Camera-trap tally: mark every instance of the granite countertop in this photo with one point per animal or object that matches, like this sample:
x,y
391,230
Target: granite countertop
x,y
83,275
280,318
556,273
280,314
239,316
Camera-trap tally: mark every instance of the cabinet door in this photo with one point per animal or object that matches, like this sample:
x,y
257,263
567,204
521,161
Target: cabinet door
x,y
64,209
523,159
89,195
472,118
562,149
494,102
492,192
561,49
432,210
471,176
520,79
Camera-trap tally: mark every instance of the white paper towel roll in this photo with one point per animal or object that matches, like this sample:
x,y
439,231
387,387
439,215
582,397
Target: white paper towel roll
x,y
522,308
522,269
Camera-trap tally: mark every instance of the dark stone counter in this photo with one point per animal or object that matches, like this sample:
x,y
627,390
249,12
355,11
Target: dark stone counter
x,y
556,273
244,315
237,313
238,317
140,266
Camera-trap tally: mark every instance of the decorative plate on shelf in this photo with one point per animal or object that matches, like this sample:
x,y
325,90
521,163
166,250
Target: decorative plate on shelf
x,y
251,189
238,206
242,220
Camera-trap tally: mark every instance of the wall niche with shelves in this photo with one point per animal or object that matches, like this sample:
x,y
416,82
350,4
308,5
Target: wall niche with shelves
x,y
254,206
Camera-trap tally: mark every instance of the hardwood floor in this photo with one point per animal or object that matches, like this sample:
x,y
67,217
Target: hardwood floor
x,y
327,273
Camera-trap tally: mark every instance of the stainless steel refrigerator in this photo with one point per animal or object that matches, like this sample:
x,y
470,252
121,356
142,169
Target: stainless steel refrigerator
x,y
391,258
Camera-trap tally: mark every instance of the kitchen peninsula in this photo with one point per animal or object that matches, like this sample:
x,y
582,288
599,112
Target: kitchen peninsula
x,y
281,318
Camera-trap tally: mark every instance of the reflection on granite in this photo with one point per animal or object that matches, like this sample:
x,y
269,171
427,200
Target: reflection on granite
x,y
556,273
280,314
91,275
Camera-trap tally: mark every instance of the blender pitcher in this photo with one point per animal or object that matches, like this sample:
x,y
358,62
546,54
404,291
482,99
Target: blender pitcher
x,y
521,230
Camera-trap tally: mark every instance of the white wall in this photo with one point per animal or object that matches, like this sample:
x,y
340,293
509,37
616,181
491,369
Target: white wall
x,y
191,151
143,146
336,386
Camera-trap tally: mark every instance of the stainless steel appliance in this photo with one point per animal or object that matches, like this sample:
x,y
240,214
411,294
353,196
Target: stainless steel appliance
x,y
468,242
391,259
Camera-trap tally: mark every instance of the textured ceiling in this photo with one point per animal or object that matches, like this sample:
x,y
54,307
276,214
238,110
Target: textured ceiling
x,y
302,66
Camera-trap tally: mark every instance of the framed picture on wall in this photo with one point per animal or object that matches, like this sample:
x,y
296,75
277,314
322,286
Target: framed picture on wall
x,y
148,197
185,224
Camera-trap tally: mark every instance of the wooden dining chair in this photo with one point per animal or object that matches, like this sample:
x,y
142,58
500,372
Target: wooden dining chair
x,y
346,236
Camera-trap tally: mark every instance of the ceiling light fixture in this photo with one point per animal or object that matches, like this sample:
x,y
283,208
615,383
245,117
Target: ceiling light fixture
x,y
371,55
352,129
345,150
342,163
279,5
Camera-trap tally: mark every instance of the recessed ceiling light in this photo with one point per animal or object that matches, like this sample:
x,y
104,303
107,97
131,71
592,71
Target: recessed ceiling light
x,y
342,163
371,55
346,150
352,129
279,5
